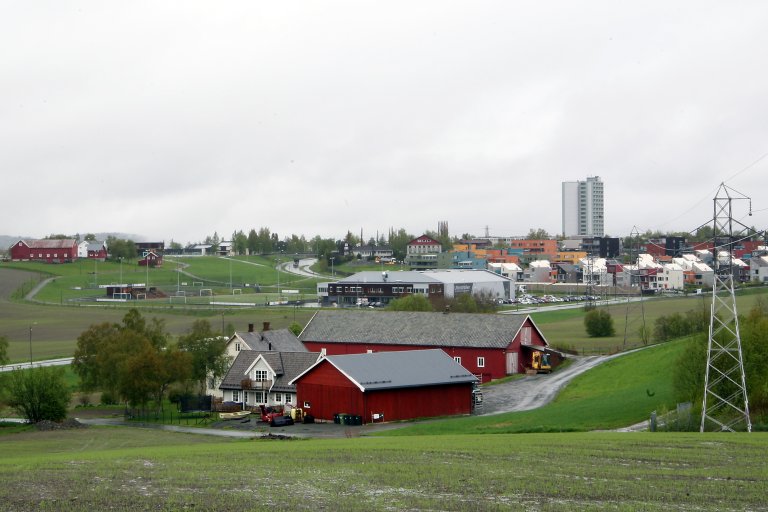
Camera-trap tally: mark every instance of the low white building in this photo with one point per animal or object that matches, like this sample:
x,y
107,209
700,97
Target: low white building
x,y
538,271
509,270
758,268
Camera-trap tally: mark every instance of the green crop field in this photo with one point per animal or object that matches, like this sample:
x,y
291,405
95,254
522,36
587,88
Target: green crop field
x,y
141,469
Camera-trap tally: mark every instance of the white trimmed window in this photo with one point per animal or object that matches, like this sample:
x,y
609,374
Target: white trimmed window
x,y
260,375
481,362
235,396
278,398
457,359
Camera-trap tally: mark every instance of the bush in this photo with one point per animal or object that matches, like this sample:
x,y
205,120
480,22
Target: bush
x,y
39,394
599,323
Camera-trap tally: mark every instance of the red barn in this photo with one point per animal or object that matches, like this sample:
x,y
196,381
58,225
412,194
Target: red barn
x,y
47,250
490,346
387,385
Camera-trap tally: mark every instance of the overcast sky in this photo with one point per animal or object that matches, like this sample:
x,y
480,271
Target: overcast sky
x,y
172,120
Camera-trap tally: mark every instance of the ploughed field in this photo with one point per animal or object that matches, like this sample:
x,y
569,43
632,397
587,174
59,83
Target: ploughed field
x,y
140,469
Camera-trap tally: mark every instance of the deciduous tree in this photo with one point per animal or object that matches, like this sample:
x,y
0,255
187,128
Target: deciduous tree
x,y
39,393
599,323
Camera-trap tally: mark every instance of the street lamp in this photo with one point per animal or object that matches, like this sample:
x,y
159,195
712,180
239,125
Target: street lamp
x,y
30,344
332,258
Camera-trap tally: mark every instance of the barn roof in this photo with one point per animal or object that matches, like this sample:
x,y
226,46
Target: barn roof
x,y
399,369
414,328
279,340
286,365
48,243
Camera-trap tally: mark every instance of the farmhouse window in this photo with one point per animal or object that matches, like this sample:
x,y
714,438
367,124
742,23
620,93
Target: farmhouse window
x,y
278,397
258,397
307,405
235,396
260,375
457,359
481,362
288,398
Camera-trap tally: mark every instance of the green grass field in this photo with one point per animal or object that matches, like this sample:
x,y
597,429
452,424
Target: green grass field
x,y
141,469
615,394
55,328
565,328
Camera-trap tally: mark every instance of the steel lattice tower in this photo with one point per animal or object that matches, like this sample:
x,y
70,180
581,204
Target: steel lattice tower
x,y
726,406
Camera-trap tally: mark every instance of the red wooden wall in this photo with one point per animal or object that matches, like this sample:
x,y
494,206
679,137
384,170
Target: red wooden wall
x,y
329,392
495,358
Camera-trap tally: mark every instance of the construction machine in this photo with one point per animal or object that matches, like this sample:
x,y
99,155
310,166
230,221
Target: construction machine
x,y
540,362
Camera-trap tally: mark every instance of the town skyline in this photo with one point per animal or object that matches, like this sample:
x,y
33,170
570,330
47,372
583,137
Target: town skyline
x,y
372,116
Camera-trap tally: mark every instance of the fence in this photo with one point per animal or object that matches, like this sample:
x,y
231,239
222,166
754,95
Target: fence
x,y
168,417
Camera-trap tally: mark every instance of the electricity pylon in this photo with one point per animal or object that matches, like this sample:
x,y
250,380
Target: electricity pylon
x,y
632,305
726,406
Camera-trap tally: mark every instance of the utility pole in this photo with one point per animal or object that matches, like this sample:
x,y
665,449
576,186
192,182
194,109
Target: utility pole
x,y
725,406
634,278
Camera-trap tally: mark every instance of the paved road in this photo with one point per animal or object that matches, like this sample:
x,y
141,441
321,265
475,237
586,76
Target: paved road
x,y
50,362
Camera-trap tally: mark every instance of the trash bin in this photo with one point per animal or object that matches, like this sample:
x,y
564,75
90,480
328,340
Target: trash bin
x,y
358,420
336,418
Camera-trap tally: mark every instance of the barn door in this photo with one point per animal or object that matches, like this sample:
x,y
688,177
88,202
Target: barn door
x,y
511,363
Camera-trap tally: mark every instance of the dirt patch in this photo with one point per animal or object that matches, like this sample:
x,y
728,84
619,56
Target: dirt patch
x,y
68,424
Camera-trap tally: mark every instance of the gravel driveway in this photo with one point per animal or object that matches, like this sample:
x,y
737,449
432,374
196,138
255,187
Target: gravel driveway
x,y
535,391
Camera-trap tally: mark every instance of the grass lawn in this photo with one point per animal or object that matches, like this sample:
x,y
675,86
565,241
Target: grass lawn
x,y
617,393
141,469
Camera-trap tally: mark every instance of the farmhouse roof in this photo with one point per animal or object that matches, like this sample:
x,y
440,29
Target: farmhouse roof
x,y
414,328
278,340
286,365
49,243
399,369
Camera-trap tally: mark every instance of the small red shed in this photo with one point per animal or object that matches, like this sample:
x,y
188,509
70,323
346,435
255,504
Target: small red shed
x,y
386,385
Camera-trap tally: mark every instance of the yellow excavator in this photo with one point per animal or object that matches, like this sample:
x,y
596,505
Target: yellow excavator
x,y
540,362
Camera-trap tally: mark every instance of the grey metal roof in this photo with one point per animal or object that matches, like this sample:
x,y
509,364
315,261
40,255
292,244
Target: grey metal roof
x,y
287,366
279,340
401,369
456,275
372,276
413,328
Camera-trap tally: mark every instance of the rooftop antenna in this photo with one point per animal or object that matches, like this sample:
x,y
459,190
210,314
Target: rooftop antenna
x,y
725,406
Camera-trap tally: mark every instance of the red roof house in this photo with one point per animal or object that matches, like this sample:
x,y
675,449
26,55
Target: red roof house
x,y
385,386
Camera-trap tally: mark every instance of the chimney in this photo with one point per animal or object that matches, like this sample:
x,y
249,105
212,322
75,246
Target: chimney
x,y
269,347
250,327
265,327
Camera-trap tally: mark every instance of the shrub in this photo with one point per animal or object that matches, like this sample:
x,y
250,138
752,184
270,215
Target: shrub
x,y
39,394
599,323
